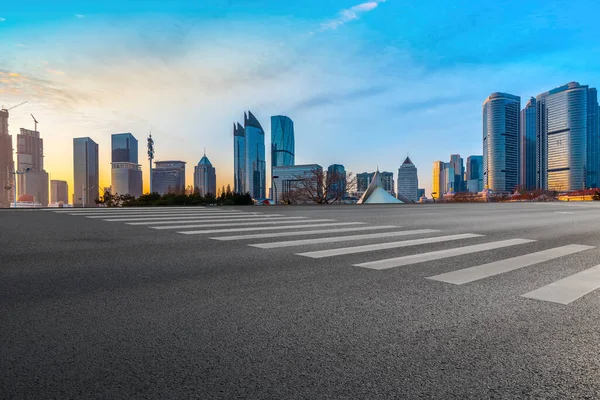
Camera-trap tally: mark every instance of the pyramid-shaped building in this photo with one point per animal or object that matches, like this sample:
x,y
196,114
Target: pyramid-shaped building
x,y
376,194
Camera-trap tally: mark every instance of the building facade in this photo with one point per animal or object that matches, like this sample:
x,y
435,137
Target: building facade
x,y
282,141
527,163
593,140
239,158
205,177
59,191
255,170
126,173
168,177
337,180
408,181
501,121
30,155
86,172
6,161
290,179
474,174
459,172
437,189
562,138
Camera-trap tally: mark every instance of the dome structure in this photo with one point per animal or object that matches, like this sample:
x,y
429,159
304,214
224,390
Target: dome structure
x,y
26,198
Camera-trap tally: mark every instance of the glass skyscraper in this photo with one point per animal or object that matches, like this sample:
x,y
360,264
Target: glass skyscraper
x,y
336,180
408,181
124,148
459,172
527,163
239,158
593,140
255,169
282,141
168,177
86,176
126,173
205,177
474,174
562,138
501,113
437,189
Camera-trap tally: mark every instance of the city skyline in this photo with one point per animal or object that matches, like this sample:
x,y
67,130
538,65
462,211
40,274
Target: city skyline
x,y
384,76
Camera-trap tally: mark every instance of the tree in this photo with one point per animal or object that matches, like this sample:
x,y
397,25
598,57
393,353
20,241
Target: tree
x,y
318,187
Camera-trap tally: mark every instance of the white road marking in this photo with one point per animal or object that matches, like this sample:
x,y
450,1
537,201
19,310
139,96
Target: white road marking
x,y
440,254
160,218
193,220
237,223
564,212
165,215
467,275
304,242
302,233
569,289
268,228
383,246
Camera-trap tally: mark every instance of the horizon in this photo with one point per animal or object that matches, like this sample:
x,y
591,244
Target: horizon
x,y
364,82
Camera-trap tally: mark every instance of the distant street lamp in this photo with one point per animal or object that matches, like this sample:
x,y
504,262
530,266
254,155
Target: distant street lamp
x,y
275,187
17,172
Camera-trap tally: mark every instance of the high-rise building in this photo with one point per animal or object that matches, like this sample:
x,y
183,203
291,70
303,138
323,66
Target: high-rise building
x,y
239,158
30,155
293,181
255,170
86,172
408,181
459,172
437,189
387,182
282,141
420,193
562,138
126,173
336,180
474,174
59,191
6,161
205,177
168,177
527,145
363,180
501,113
448,178
593,140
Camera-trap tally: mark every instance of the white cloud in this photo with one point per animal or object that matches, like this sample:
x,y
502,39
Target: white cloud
x,y
350,14
2,19
80,16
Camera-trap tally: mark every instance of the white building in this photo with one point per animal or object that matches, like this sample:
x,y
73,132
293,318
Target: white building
x,y
286,180
205,177
408,182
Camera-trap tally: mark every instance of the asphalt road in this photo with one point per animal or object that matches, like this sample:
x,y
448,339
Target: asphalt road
x,y
111,307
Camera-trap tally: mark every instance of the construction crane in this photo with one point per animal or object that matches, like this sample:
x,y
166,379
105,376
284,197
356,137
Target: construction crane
x,y
35,121
8,109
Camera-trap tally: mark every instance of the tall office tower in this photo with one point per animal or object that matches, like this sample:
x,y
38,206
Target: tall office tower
x,y
474,174
126,173
408,182
239,158
593,140
205,177
30,154
562,138
527,145
86,172
501,142
168,177
6,161
459,172
282,141
255,170
448,178
336,180
59,191
363,180
437,190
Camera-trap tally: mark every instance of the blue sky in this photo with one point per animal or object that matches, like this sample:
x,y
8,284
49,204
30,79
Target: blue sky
x,y
366,82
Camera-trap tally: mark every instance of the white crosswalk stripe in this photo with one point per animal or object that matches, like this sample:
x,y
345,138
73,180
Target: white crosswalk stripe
x,y
159,218
304,242
303,233
248,218
440,254
146,215
267,228
242,224
382,246
467,275
569,289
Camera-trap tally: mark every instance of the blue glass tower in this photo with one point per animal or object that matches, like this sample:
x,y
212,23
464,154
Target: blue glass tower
x,y
593,140
501,142
527,162
124,148
239,158
282,141
255,170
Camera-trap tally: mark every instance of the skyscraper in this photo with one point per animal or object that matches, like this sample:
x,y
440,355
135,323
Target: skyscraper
x,y
363,180
86,172
527,144
239,158
168,177
205,177
593,140
562,138
437,189
501,142
459,172
126,173
387,182
255,170
59,191
30,155
6,161
408,181
282,141
336,180
474,174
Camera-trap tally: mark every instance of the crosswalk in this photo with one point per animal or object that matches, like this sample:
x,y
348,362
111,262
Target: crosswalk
x,y
327,238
